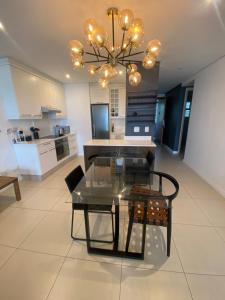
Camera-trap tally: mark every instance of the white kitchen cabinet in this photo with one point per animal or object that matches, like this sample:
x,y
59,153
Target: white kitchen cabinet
x,y
27,87
98,94
47,155
24,92
36,159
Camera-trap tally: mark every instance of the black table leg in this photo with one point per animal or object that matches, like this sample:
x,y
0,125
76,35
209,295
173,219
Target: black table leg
x,y
117,227
87,228
144,229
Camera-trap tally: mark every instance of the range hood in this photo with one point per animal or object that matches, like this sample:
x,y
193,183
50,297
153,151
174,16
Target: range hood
x,y
50,109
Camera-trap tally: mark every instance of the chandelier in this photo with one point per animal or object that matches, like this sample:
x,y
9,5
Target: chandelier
x,y
106,55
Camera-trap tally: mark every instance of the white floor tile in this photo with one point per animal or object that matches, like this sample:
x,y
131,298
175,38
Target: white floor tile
x,y
43,199
5,253
214,209
186,211
151,285
55,182
201,249
17,223
79,249
155,250
83,280
221,232
52,235
204,287
64,204
198,188
28,275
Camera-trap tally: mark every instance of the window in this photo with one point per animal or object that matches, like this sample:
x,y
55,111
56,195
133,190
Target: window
x,y
114,101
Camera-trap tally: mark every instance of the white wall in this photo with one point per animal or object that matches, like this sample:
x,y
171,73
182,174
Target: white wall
x,y
205,150
78,112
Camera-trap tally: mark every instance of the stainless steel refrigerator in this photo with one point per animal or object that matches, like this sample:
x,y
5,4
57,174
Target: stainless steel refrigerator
x,y
100,121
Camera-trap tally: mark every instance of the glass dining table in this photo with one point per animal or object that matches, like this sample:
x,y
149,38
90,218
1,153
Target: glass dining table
x,y
108,183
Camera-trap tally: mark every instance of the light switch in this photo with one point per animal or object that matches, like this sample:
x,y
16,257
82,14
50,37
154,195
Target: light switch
x,y
146,128
136,129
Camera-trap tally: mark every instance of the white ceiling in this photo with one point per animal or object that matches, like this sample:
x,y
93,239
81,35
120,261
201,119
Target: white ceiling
x,y
37,33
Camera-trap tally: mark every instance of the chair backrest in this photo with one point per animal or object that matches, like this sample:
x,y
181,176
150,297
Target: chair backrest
x,y
73,178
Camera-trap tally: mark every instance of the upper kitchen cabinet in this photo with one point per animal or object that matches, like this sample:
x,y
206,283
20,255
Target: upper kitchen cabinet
x,y
27,95
98,94
117,96
26,92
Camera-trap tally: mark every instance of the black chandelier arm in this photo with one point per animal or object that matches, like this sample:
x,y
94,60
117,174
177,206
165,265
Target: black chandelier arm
x,y
109,53
95,51
99,54
96,55
121,63
131,46
94,61
130,61
133,54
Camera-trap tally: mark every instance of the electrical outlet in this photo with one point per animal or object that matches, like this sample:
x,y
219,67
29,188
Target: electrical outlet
x,y
136,129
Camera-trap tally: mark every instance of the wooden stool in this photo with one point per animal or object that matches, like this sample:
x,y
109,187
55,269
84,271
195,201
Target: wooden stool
x,y
6,181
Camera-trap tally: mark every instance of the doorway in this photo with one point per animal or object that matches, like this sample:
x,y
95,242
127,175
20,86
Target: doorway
x,y
185,120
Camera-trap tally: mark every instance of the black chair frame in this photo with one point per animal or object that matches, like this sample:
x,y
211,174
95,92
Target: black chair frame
x,y
169,198
72,181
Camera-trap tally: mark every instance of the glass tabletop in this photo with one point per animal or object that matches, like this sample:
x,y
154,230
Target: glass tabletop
x,y
109,180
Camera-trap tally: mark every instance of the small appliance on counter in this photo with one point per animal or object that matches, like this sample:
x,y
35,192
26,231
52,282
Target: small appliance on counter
x,y
35,130
28,138
17,135
20,136
61,130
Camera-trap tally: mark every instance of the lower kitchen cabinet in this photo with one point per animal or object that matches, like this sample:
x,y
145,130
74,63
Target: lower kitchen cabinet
x,y
37,158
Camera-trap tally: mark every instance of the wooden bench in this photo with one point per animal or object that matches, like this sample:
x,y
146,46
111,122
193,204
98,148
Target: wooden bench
x,y
6,181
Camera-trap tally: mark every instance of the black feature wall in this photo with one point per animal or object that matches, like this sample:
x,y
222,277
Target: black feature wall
x,y
141,103
173,117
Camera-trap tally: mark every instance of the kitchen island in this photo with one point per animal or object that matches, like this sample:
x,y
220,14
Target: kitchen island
x,y
136,147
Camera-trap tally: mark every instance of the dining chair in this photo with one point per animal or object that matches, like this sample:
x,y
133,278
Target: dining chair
x,y
72,180
156,209
92,157
150,157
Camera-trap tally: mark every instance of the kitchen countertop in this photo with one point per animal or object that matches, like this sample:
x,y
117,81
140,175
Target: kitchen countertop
x,y
43,140
122,142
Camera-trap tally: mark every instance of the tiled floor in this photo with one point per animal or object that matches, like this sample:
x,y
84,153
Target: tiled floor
x,y
38,259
